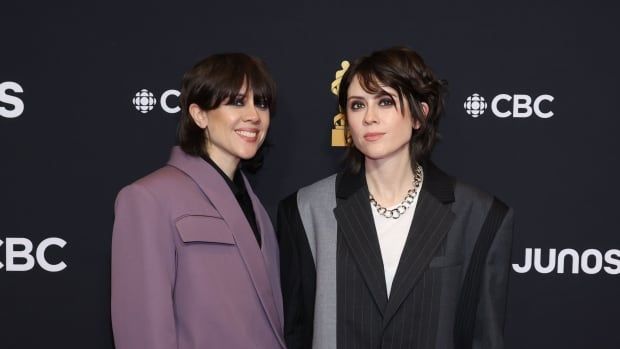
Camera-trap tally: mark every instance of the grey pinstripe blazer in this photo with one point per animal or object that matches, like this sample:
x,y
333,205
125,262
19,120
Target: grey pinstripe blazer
x,y
332,272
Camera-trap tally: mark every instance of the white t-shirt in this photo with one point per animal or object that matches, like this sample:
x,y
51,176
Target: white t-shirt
x,y
392,234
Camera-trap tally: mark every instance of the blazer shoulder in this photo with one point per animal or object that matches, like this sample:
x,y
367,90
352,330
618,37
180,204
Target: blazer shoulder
x,y
163,177
315,193
162,184
467,195
318,192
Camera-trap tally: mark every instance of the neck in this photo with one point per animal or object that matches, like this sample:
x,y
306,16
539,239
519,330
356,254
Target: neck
x,y
389,178
228,164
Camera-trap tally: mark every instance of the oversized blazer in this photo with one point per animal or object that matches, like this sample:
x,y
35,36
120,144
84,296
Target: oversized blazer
x,y
333,277
187,271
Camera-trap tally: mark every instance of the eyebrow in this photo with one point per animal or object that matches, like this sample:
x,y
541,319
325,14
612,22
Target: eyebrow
x,y
384,93
358,97
377,95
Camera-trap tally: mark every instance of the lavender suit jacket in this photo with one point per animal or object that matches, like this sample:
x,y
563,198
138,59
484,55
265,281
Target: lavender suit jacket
x,y
186,269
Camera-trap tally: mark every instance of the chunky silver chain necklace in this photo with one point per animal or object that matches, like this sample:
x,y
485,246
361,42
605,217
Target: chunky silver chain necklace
x,y
397,212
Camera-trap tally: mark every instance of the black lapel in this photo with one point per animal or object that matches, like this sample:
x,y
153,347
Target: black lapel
x,y
432,220
357,227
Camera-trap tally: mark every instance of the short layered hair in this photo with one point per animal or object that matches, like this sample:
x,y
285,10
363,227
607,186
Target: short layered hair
x,y
216,80
406,72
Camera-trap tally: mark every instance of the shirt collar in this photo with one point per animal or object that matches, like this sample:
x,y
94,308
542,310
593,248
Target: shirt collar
x,y
236,184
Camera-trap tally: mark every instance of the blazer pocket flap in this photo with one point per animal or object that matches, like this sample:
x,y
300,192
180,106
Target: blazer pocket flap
x,y
446,261
204,229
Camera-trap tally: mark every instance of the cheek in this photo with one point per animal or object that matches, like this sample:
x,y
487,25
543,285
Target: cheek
x,y
402,126
405,133
220,123
354,127
265,119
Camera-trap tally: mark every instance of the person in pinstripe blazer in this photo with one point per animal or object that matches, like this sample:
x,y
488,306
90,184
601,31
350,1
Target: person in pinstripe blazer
x,y
374,256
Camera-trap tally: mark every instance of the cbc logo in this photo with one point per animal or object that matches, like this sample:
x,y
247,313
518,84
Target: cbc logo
x,y
144,101
505,105
19,254
15,104
475,105
590,261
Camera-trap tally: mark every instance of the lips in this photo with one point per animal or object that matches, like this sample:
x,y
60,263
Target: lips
x,y
248,135
373,136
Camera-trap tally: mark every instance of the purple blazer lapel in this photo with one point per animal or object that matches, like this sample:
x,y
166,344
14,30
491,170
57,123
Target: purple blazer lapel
x,y
217,192
269,249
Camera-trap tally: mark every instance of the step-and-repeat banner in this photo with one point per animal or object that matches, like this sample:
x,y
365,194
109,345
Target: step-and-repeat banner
x,y
89,103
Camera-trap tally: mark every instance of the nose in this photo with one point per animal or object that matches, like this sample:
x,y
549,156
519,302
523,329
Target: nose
x,y
370,117
250,113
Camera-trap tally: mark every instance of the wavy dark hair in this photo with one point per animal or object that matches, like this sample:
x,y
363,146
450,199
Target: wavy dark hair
x,y
405,71
217,79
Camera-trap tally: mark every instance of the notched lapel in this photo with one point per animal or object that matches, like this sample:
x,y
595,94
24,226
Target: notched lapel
x,y
358,230
431,223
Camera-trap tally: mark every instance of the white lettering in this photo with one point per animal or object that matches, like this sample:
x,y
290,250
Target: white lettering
x,y
527,264
41,254
598,261
613,261
590,261
18,104
495,102
12,254
163,101
521,107
575,260
20,249
538,265
540,99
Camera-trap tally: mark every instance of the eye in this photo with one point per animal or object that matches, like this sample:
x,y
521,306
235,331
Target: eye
x,y
356,105
261,103
237,101
386,102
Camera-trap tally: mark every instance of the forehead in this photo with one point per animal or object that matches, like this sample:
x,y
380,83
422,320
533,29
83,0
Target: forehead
x,y
245,89
368,88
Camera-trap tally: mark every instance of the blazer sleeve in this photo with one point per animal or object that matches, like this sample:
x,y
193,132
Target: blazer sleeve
x,y
143,272
489,332
298,276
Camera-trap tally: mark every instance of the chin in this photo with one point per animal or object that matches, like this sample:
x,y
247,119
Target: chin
x,y
374,156
374,153
380,154
248,154
382,151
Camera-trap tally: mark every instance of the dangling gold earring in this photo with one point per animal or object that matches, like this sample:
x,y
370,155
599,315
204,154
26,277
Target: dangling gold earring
x,y
349,138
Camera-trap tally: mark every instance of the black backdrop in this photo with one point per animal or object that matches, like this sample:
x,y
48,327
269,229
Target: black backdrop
x,y
73,137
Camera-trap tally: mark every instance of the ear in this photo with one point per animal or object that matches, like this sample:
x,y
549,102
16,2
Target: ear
x,y
199,115
416,123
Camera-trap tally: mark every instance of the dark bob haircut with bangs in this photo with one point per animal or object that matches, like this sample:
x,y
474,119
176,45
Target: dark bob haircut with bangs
x,y
216,80
405,71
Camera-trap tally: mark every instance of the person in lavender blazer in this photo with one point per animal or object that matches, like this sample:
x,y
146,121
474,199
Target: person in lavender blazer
x,y
194,256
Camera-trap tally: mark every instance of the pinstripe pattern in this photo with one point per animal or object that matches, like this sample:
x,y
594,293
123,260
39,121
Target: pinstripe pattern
x,y
431,223
366,318
359,233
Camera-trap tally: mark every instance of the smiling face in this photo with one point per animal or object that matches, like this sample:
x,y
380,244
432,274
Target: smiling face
x,y
236,128
379,128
